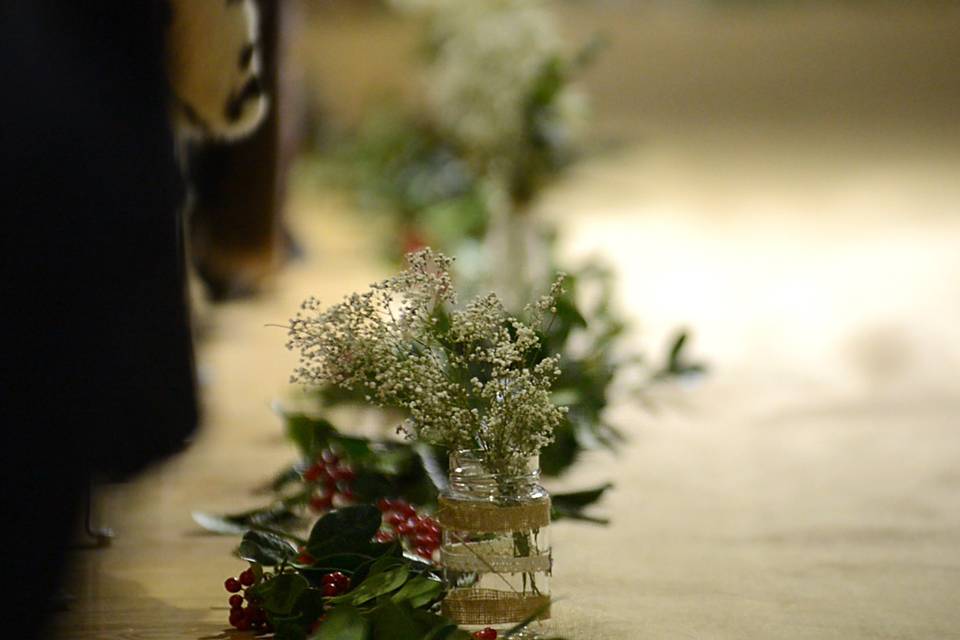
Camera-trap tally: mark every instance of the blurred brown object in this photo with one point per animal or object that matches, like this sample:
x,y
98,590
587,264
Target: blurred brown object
x,y
237,229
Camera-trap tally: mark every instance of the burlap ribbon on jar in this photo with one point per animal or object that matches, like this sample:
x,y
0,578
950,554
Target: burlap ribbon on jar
x,y
490,606
485,606
460,515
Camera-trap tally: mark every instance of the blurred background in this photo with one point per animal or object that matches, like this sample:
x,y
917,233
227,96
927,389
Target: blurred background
x,y
777,176
760,202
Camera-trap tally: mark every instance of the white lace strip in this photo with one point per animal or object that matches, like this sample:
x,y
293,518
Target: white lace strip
x,y
492,556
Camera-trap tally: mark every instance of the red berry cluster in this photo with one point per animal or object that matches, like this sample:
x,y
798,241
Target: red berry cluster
x,y
252,616
486,634
304,558
400,520
333,479
333,584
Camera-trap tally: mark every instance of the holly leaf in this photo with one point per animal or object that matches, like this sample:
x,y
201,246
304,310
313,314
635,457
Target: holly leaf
x,y
347,561
266,549
375,585
344,530
281,593
343,623
277,513
440,628
308,433
389,620
283,478
418,592
572,505
288,629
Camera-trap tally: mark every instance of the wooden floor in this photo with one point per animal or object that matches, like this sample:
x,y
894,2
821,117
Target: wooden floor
x,y
809,487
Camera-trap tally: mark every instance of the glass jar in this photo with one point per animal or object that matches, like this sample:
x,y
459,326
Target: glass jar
x,y
496,552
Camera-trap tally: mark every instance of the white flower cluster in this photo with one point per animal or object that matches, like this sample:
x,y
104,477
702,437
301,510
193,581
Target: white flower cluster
x,y
488,56
472,378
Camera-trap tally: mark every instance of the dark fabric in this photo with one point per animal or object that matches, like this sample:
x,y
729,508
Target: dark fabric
x,y
97,376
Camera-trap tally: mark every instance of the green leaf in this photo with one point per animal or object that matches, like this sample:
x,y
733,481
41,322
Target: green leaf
x,y
309,434
227,525
580,498
343,623
283,592
388,620
387,562
526,622
374,586
309,605
356,563
418,592
288,630
283,478
277,513
266,549
572,505
345,529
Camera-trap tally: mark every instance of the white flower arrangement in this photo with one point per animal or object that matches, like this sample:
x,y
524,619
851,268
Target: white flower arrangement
x,y
488,57
469,378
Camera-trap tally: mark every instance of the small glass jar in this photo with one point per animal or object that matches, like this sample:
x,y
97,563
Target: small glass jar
x,y
496,553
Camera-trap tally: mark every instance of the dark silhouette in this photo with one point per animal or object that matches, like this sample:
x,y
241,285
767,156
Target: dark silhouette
x,y
97,369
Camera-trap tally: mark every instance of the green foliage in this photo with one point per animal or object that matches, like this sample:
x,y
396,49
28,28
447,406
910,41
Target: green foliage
x,y
266,549
384,469
390,597
344,623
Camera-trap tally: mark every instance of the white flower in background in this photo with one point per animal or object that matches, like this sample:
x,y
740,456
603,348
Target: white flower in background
x,y
488,57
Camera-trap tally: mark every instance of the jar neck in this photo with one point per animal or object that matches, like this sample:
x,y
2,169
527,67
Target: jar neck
x,y
471,474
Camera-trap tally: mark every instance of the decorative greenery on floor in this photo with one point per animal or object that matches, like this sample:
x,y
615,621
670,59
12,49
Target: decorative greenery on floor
x,y
344,581
470,376
498,122
336,469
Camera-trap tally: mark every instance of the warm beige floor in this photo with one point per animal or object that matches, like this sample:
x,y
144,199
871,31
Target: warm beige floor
x,y
809,487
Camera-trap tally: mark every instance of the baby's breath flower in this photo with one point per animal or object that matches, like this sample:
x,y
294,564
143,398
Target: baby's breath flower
x,y
467,378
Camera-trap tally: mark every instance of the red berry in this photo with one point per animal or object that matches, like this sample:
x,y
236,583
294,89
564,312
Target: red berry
x,y
385,536
385,505
243,624
313,473
486,634
321,503
330,590
345,472
236,615
338,581
236,601
428,525
404,507
425,552
342,581
232,585
247,578
305,558
408,527
396,519
425,540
